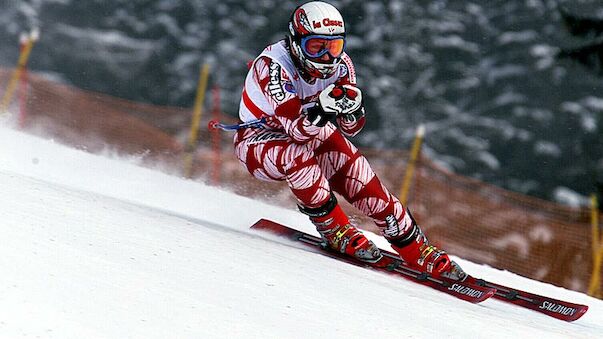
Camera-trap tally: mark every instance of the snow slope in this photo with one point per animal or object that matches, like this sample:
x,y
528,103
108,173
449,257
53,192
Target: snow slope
x,y
94,247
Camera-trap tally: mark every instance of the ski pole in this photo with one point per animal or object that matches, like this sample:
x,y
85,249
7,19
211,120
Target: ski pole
x,y
214,124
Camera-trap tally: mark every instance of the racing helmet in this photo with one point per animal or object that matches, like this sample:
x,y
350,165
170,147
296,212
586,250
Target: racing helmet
x,y
317,38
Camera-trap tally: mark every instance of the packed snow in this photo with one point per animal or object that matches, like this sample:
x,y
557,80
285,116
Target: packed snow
x,y
99,247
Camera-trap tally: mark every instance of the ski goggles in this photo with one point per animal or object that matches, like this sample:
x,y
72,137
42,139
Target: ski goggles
x,y
316,46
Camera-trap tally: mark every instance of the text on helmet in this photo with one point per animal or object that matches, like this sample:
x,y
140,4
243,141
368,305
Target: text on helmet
x,y
327,23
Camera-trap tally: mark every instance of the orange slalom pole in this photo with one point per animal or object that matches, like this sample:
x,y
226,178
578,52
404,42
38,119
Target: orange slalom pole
x,y
23,91
23,98
597,244
23,58
410,167
197,111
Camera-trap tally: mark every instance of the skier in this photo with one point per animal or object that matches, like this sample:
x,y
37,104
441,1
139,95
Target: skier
x,y
305,87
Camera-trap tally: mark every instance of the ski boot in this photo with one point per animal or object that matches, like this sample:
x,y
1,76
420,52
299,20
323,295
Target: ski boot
x,y
416,251
338,234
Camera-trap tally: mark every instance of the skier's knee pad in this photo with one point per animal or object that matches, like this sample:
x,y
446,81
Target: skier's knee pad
x,y
322,210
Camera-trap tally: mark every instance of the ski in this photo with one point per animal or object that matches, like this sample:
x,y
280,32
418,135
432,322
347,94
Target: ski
x,y
471,289
555,308
389,263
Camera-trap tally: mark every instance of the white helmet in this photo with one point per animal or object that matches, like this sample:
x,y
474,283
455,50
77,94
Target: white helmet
x,y
317,38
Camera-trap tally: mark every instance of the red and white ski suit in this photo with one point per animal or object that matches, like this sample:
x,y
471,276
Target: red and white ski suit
x,y
313,160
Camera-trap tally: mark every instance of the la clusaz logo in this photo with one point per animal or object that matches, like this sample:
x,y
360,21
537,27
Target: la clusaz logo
x,y
327,23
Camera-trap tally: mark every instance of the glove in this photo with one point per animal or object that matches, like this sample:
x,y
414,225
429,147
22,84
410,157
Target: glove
x,y
343,100
317,116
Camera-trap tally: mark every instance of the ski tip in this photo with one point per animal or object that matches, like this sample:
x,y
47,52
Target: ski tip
x,y
490,293
566,312
580,311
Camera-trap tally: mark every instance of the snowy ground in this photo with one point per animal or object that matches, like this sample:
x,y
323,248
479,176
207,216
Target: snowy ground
x,y
94,247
